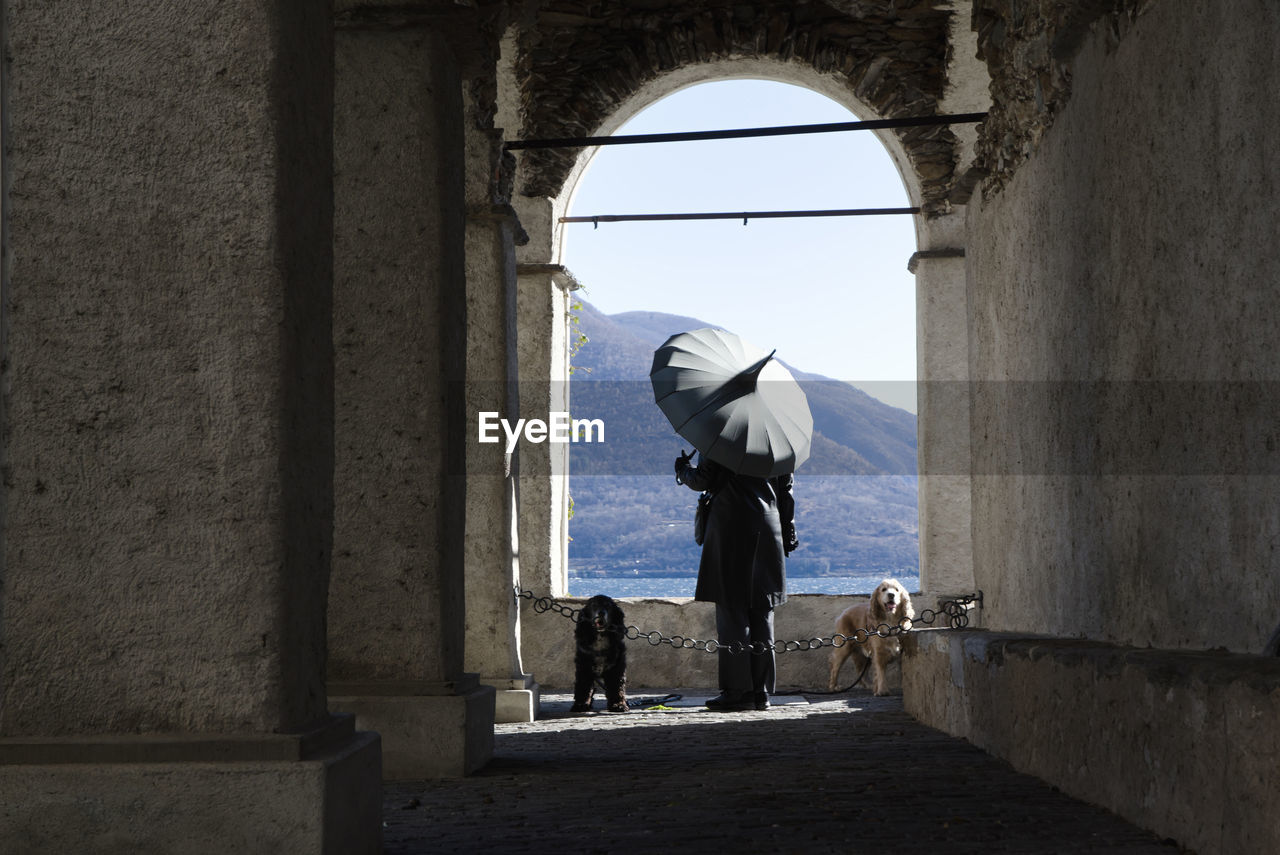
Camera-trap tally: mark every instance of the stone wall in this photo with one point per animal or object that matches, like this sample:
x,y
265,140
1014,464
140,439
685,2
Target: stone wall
x,y
1182,743
1028,46
548,642
403,334
167,384
1123,326
578,62
168,439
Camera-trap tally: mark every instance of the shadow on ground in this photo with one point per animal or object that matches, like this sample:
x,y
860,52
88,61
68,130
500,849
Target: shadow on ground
x,y
852,773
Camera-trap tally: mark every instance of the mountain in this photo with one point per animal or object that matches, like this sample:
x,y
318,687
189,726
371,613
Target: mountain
x,y
856,495
854,433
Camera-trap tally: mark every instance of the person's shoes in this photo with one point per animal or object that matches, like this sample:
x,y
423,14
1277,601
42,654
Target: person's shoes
x,y
727,702
761,700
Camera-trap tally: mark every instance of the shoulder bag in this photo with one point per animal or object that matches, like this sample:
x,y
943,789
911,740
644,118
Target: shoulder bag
x,y
700,516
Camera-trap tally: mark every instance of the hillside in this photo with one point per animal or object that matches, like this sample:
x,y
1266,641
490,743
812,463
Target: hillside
x,y
856,495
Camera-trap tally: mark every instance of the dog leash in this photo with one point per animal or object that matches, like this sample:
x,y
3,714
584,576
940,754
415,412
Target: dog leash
x,y
657,702
865,666
648,703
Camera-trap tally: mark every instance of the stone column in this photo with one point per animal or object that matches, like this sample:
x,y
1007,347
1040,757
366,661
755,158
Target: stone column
x,y
168,444
492,385
545,295
942,339
397,600
946,537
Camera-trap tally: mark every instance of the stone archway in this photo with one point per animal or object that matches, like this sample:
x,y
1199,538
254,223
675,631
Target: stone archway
x,y
574,74
582,69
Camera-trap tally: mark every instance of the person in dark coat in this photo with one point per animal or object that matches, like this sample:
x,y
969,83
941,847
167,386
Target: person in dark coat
x,y
750,531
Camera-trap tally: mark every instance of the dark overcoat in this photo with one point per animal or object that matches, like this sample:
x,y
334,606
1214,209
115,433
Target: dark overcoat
x,y
743,560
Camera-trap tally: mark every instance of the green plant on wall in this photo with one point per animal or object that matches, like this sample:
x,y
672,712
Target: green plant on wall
x,y
577,338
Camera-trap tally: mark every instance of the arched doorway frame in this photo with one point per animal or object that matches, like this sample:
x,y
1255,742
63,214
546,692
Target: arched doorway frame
x,y
735,69
946,563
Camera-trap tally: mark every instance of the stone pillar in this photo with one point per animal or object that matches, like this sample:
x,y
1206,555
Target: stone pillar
x,y
942,339
545,296
397,599
946,537
168,444
492,530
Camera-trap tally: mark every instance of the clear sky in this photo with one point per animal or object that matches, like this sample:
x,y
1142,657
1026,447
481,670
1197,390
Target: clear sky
x,y
832,294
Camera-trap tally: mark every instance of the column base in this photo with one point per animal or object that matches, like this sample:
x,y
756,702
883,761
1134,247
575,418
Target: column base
x,y
428,729
519,698
318,792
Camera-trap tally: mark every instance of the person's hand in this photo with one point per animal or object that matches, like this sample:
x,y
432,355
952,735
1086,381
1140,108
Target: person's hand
x,y
790,542
682,462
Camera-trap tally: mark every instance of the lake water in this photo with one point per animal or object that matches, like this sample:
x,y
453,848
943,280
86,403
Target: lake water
x,y
682,586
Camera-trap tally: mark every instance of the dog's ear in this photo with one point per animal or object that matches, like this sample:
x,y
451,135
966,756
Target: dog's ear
x,y
877,608
617,616
905,607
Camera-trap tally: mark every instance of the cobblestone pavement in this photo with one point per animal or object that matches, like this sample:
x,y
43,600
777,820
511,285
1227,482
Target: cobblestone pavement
x,y
851,773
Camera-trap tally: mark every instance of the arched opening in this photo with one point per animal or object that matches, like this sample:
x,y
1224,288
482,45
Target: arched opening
x,y
546,186
832,294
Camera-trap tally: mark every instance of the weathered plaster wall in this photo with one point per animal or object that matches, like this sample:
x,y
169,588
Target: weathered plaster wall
x,y
1029,45
166,368
1123,329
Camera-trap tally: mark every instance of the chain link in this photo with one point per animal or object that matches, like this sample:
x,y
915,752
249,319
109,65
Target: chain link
x,y
956,612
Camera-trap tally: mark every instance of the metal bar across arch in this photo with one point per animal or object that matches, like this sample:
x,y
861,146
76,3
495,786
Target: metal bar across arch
x,y
741,215
739,133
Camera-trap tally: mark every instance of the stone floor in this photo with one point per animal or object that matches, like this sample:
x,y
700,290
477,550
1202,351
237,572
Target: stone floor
x,y
850,773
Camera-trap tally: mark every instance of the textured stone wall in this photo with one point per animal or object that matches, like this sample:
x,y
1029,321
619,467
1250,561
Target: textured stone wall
x,y
167,377
579,61
398,254
1182,743
1123,329
1028,46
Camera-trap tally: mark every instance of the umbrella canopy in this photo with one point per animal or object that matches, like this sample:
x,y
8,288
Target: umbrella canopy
x,y
737,404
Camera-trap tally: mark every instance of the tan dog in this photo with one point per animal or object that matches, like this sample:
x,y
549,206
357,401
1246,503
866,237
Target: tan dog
x,y
890,604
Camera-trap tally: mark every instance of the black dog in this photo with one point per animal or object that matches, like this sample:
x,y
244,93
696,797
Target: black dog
x,y
601,655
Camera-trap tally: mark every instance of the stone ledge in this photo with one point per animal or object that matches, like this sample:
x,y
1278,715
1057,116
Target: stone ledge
x,y
178,748
404,688
913,263
561,276
428,735
518,698
328,803
1181,742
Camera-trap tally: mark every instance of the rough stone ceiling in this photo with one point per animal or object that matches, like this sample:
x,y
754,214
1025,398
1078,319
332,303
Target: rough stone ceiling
x,y
579,60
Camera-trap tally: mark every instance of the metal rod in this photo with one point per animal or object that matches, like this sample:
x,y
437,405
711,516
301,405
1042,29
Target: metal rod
x,y
779,130
744,215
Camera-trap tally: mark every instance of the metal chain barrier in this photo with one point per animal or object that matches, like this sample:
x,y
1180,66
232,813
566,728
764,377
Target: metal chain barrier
x,y
956,612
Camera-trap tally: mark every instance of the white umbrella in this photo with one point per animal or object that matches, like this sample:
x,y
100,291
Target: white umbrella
x,y
737,404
